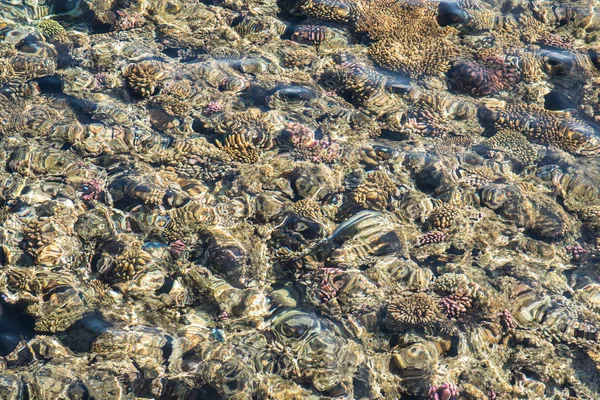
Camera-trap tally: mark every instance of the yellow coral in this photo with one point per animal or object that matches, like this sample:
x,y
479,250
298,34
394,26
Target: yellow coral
x,y
239,148
375,192
515,145
411,311
144,77
407,37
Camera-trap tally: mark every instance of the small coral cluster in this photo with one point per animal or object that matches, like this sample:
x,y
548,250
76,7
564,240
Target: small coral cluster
x,y
482,80
306,147
559,129
415,310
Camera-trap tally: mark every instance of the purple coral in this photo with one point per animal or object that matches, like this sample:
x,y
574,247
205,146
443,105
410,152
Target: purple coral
x,y
224,316
125,20
92,190
446,391
508,320
558,42
308,148
486,79
329,287
457,304
432,237
102,78
578,253
212,108
178,247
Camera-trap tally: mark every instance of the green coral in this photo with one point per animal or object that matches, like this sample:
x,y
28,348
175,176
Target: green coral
x,y
52,30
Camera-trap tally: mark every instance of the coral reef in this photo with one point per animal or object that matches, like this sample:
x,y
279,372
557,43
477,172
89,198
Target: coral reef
x,y
299,199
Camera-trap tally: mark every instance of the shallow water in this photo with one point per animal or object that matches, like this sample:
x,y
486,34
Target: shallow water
x,y
299,199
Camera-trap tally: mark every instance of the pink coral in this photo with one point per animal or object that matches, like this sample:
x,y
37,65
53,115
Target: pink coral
x,y
92,190
178,247
102,78
125,20
508,320
224,316
329,287
212,108
578,253
564,43
446,391
483,79
432,237
306,147
457,304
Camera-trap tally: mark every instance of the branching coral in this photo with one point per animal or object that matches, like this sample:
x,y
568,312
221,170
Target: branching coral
x,y
559,129
246,134
414,310
432,237
442,217
461,293
407,37
432,114
306,147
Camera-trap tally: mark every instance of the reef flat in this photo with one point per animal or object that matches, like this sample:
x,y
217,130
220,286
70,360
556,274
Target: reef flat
x,y
299,199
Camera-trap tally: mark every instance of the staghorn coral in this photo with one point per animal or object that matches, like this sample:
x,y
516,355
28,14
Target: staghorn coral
x,y
413,310
532,30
